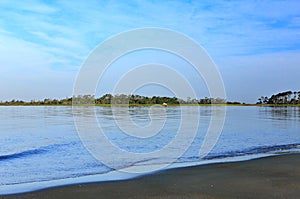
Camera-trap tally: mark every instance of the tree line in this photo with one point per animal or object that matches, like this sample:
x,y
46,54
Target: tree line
x,y
119,99
287,97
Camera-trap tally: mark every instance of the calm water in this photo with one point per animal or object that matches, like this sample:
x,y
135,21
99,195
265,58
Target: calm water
x,y
40,145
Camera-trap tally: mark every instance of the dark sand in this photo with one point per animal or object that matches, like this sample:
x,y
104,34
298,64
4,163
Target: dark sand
x,y
271,177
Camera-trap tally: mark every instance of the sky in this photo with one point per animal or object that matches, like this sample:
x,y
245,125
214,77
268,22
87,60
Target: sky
x,y
43,43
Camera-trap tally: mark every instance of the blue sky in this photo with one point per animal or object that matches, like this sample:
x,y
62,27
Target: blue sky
x,y
255,44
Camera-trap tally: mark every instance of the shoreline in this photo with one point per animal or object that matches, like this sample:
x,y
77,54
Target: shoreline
x,y
116,175
147,105
267,177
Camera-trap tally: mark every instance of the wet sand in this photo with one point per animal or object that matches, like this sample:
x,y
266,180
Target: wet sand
x,y
271,177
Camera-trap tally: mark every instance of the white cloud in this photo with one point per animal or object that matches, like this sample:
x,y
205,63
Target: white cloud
x,y
248,77
37,37
25,72
29,5
4,31
18,54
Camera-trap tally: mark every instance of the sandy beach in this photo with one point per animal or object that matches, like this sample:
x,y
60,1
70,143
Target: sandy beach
x,y
270,177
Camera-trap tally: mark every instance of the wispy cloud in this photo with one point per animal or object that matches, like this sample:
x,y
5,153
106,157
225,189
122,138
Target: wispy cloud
x,y
56,36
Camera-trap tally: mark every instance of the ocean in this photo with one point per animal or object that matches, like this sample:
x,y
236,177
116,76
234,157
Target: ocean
x,y
40,146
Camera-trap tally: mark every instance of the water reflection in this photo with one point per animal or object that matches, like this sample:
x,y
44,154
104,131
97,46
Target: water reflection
x,y
281,117
280,113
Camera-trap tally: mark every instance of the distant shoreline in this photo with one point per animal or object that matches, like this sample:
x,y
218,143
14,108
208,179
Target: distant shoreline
x,y
287,98
147,105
